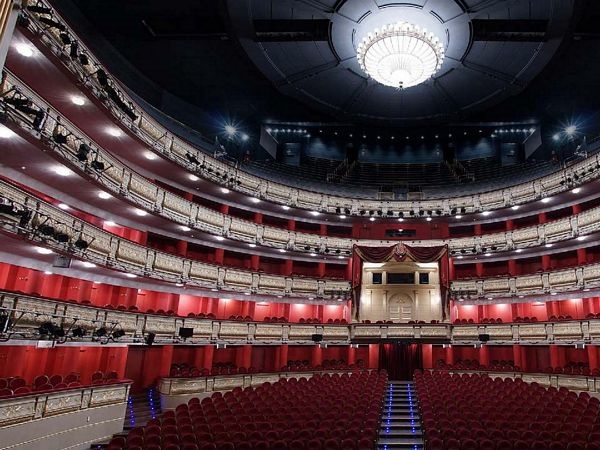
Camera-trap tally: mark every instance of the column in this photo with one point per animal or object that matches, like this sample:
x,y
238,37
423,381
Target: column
x,y
517,356
449,357
542,218
373,356
351,355
316,355
243,356
545,262
427,350
581,256
209,352
484,355
592,354
477,229
479,269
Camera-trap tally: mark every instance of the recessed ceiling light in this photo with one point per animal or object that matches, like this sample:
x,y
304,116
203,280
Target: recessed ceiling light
x,y
110,223
372,219
545,199
251,245
150,155
281,250
47,272
87,264
488,254
459,257
184,228
552,293
224,190
400,219
490,298
515,207
340,257
255,200
342,216
140,212
485,213
313,254
193,177
6,133
219,238
131,275
576,190
246,293
428,219
581,238
62,171
104,195
63,206
519,250
179,284
458,216
548,245
114,132
315,213
24,49
78,100
285,207
43,251
214,289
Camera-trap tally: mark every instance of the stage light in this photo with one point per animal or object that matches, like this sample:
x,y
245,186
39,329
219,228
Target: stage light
x,y
192,158
25,50
230,130
314,213
81,244
255,200
149,339
46,230
556,137
570,130
97,165
110,223
78,332
118,334
245,137
100,332
428,219
458,216
83,152
131,275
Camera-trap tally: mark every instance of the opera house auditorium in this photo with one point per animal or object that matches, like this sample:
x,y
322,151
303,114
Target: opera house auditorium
x,y
300,225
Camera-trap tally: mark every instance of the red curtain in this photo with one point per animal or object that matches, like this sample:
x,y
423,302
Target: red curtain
x,y
400,252
400,360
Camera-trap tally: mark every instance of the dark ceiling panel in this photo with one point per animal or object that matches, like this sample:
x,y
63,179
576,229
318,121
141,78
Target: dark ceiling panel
x,y
291,30
509,30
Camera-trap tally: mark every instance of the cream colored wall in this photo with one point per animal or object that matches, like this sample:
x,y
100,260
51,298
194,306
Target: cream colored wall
x,y
423,301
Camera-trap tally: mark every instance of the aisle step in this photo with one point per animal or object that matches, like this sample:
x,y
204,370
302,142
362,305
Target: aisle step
x,y
400,420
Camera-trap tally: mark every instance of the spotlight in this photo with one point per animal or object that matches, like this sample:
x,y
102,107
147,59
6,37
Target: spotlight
x,y
61,237
52,23
78,332
74,50
83,152
230,130
46,230
39,9
100,332
149,339
118,334
570,130
191,158
81,244
64,37
97,165
84,60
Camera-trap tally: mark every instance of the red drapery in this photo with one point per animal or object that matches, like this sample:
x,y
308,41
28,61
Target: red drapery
x,y
400,359
401,252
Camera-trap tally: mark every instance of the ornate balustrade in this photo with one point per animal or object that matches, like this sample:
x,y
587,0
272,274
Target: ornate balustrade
x,y
172,147
121,180
574,382
27,314
67,418
84,241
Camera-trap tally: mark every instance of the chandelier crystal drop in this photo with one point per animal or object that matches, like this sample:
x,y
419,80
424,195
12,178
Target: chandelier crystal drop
x,y
400,55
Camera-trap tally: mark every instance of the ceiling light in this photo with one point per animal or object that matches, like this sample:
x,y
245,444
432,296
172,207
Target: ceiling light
x,y
5,132
245,137
372,219
43,251
104,195
548,245
400,55
140,212
246,293
219,238
314,213
313,254
428,219
570,130
214,289
47,272
149,155
110,223
113,131
488,254
230,130
130,275
224,190
251,245
184,228
63,206
285,207
485,213
552,293
459,257
24,49
556,137
193,177
581,238
458,216
515,207
78,100
179,284
576,190
62,171
340,257
281,250
400,219
89,265
255,200
545,199
519,250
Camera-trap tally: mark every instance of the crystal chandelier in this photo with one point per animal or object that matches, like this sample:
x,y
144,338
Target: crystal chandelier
x,y
400,55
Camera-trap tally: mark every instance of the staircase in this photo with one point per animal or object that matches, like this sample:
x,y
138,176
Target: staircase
x,y
400,421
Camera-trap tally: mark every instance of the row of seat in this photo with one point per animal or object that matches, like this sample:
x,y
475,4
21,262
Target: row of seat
x,y
476,412
333,412
570,368
10,386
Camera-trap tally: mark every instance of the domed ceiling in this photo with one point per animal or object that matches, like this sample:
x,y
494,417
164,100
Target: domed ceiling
x,y
308,49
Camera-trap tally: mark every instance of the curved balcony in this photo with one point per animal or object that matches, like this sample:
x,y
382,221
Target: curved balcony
x,y
30,218
123,181
94,77
28,313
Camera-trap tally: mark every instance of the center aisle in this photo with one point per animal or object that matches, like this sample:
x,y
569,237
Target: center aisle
x,y
400,420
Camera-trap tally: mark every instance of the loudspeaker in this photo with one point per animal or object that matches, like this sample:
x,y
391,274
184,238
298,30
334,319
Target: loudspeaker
x,y
63,262
186,332
484,337
317,337
150,338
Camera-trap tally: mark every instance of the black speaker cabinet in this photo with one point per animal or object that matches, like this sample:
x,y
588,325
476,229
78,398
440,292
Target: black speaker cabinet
x,y
317,337
484,337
